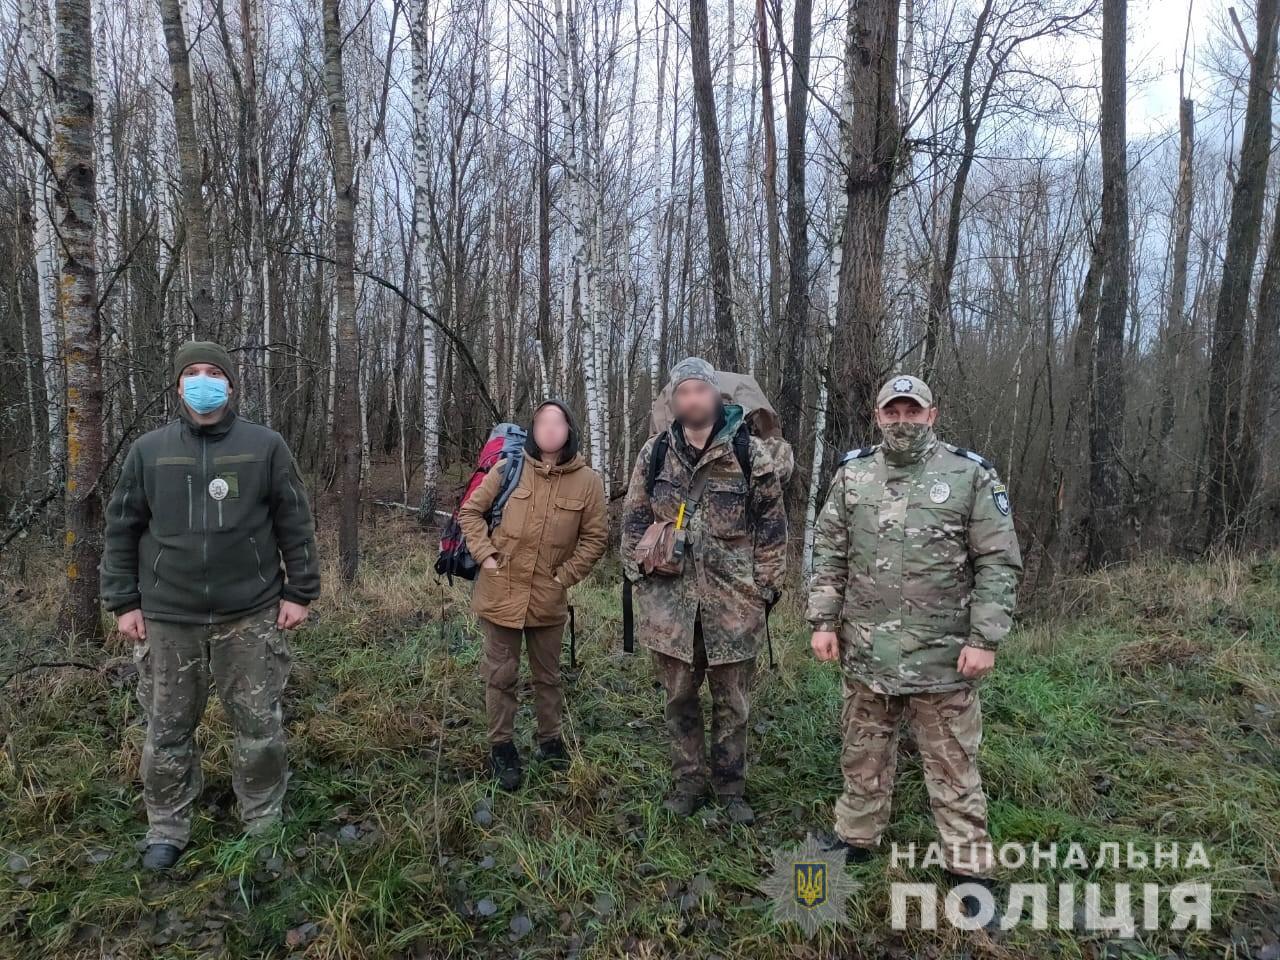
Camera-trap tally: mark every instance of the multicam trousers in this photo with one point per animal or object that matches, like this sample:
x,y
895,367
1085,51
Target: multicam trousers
x,y
948,729
501,668
248,660
730,685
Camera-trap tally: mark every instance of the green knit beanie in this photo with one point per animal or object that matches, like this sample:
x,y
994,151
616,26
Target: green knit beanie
x,y
204,351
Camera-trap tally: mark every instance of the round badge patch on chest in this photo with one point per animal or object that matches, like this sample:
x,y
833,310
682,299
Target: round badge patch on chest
x,y
218,488
940,491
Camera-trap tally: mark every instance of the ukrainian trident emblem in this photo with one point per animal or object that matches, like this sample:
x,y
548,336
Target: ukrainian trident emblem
x,y
811,884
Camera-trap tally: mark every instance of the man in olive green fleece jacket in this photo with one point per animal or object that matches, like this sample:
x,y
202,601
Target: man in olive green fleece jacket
x,y
209,557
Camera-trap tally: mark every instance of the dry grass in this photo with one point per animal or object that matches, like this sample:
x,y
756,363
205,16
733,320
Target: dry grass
x,y
1146,710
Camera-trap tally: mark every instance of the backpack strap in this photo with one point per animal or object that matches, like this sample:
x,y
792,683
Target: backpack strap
x,y
628,618
512,466
657,456
742,450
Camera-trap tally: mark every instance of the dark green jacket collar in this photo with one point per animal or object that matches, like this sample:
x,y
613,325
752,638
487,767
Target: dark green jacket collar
x,y
212,431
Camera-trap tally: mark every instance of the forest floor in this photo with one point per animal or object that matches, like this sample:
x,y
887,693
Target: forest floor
x,y
1147,710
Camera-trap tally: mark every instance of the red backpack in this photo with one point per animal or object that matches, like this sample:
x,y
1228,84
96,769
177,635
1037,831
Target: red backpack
x,y
506,442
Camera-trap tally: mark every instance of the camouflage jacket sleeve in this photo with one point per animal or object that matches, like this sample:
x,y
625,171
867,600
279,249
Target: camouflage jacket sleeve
x,y
996,561
768,515
128,515
637,513
830,559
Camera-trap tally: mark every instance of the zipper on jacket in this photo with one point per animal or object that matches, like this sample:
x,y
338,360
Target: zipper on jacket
x,y
204,463
190,525
257,557
155,564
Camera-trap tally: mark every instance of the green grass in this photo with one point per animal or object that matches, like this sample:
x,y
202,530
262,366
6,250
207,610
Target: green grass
x,y
1149,711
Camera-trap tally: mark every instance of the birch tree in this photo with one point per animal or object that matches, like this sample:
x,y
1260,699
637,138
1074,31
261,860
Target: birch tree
x,y
419,36
346,346
78,299
195,224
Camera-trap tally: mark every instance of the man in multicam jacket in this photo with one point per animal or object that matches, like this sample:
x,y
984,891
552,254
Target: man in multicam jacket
x,y
708,621
915,565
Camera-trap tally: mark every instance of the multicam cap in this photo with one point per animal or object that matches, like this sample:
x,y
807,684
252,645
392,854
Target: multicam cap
x,y
904,385
693,368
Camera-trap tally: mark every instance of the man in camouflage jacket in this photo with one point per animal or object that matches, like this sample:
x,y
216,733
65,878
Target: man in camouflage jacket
x,y
915,565
708,621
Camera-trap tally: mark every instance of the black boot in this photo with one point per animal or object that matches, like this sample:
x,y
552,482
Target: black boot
x,y
852,852
553,753
969,903
160,856
683,802
504,762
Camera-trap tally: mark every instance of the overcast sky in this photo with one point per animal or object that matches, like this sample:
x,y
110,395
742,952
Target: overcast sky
x,y
1157,31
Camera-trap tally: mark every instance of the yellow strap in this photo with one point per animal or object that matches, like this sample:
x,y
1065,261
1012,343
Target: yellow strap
x,y
680,517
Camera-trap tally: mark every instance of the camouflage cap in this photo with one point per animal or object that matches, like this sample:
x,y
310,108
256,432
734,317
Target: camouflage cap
x,y
693,368
904,385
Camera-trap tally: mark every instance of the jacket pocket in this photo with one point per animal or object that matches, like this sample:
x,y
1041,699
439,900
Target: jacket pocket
x,y
725,509
515,512
155,568
257,558
171,502
237,484
566,522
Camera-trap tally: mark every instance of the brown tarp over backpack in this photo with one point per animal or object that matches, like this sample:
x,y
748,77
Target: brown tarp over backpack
x,y
761,418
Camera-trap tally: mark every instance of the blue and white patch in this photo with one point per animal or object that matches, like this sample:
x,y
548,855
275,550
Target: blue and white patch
x,y
903,385
1001,497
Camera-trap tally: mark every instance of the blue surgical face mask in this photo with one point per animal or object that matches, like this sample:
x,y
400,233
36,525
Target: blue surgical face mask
x,y
204,393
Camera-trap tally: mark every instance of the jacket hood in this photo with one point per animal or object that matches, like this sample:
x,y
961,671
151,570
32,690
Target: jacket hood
x,y
571,445
728,421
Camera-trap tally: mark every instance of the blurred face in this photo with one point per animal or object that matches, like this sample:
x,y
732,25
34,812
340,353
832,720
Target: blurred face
x,y
696,403
906,410
550,429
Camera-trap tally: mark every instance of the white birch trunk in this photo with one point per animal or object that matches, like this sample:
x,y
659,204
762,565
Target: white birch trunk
x,y
37,56
833,289
421,180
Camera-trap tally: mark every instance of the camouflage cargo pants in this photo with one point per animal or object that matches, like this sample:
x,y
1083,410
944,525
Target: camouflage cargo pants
x,y
730,685
248,660
947,728
501,668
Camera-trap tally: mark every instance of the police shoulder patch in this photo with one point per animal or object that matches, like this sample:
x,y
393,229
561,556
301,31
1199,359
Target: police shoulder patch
x,y
1000,494
969,454
857,454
